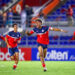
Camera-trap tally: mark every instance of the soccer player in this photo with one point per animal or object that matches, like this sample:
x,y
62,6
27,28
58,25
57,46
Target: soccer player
x,y
12,39
42,39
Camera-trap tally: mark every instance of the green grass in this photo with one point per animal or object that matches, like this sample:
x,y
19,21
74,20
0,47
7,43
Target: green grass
x,y
35,68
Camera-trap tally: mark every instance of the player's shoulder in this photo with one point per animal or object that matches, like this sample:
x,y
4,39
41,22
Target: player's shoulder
x,y
34,29
45,27
18,33
11,32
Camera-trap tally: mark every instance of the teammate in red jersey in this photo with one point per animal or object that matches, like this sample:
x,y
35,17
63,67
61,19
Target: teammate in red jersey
x,y
12,39
42,39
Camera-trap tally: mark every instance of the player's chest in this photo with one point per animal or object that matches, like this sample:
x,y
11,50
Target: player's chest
x,y
15,36
43,30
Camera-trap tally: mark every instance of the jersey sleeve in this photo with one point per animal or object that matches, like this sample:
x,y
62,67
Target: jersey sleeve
x,y
19,37
32,31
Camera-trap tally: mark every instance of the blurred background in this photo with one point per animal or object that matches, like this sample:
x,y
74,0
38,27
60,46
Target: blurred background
x,y
54,13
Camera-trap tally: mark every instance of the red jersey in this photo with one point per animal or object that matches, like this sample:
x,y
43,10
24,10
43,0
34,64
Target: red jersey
x,y
42,34
12,38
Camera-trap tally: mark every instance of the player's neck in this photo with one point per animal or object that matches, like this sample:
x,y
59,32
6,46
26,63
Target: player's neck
x,y
15,31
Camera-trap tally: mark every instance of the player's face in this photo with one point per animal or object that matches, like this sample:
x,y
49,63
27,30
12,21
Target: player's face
x,y
15,28
38,24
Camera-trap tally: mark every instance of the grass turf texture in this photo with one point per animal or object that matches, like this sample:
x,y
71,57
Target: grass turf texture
x,y
35,68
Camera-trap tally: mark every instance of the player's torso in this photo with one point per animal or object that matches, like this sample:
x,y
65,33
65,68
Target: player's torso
x,y
13,37
42,34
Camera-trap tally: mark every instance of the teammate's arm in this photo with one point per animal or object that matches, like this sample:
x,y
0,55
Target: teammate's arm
x,y
57,29
19,40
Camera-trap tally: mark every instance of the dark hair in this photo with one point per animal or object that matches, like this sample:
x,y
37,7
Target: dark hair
x,y
14,24
38,20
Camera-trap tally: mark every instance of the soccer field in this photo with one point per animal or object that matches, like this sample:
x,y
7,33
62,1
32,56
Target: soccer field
x,y
34,68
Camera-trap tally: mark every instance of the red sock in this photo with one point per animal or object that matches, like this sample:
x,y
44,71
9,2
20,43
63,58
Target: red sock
x,y
14,66
43,65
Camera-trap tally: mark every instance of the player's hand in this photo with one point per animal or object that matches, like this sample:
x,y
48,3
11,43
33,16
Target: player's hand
x,y
26,31
64,31
18,41
9,46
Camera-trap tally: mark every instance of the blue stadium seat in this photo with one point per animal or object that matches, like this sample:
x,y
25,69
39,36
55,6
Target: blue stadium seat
x,y
22,43
53,43
65,37
35,38
30,38
72,43
29,43
24,38
50,37
34,43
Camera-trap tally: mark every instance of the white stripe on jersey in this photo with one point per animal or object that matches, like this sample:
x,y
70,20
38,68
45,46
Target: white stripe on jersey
x,y
50,28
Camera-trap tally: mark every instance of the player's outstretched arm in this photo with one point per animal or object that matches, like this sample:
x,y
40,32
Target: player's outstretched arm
x,y
57,29
27,32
